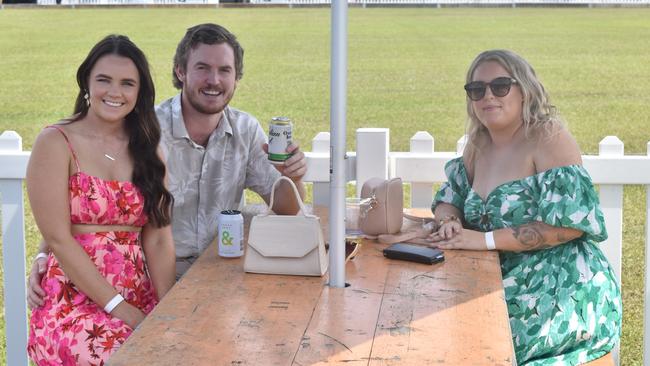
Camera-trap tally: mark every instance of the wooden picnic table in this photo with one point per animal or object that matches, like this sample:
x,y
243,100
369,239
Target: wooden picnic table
x,y
392,313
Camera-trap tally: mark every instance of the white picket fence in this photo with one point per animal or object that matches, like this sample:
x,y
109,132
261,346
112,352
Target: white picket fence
x,y
420,167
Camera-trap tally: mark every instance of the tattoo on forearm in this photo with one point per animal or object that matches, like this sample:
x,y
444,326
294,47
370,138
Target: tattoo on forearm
x,y
531,236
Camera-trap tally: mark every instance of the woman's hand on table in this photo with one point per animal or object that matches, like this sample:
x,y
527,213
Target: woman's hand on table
x,y
449,227
459,238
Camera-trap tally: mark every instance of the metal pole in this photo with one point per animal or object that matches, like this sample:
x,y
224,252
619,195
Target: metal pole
x,y
338,97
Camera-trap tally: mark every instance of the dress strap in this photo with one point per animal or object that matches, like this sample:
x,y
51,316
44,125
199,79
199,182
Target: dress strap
x,y
74,155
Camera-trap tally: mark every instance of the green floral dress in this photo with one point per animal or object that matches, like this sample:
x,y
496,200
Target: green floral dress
x,y
564,302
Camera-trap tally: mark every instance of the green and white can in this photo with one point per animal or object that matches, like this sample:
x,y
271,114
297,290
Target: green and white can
x,y
231,234
280,130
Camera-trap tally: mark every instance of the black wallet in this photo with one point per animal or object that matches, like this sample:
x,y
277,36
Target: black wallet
x,y
414,253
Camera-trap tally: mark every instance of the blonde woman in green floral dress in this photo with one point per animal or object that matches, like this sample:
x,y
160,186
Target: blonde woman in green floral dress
x,y
520,188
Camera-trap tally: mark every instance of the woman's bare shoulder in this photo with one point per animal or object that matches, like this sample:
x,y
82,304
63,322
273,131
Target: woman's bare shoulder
x,y
558,149
51,139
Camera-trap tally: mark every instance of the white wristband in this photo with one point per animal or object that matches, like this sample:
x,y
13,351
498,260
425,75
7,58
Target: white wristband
x,y
489,240
40,255
116,300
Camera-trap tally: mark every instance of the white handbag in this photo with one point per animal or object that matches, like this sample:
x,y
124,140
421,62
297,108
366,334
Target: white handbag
x,y
286,244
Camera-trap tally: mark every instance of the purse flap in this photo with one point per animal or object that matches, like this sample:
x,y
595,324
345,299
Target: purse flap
x,y
369,187
284,235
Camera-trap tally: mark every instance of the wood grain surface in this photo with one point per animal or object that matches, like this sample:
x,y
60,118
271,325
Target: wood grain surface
x,y
393,313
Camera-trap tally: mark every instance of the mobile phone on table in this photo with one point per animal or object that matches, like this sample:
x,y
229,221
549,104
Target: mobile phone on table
x,y
414,253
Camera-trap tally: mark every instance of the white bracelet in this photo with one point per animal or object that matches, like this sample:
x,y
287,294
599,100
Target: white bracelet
x,y
116,300
40,255
489,240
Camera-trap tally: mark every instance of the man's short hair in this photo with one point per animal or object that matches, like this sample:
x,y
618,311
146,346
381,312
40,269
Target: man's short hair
x,y
207,33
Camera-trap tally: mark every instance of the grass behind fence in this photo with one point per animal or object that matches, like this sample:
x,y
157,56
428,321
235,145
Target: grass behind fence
x,y
406,69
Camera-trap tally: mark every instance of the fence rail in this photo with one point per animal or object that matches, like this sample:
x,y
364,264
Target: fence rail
x,y
420,167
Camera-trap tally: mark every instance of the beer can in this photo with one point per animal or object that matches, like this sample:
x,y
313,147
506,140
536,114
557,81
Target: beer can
x,y
279,139
231,234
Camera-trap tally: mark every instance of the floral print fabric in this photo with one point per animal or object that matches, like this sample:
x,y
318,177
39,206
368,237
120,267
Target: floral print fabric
x,y
105,202
70,329
564,302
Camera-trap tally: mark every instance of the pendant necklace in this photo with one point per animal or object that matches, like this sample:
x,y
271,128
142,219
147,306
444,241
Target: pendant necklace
x,y
111,156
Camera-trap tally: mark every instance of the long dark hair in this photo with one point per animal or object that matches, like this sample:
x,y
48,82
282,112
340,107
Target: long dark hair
x,y
141,125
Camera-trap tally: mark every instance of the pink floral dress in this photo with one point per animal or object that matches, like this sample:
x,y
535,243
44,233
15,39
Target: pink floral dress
x,y
70,329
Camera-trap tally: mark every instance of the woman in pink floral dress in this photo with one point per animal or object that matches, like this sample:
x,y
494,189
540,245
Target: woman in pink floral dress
x,y
95,183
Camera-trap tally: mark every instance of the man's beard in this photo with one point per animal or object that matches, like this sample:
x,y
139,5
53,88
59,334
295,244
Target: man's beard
x,y
210,110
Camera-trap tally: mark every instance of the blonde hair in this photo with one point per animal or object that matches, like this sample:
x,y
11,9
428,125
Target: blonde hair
x,y
539,117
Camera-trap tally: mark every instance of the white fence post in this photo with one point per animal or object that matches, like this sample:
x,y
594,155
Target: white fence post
x,y
372,154
321,190
646,321
422,193
13,249
611,201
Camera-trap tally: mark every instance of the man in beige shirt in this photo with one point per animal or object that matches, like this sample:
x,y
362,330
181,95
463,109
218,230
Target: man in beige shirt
x,y
213,151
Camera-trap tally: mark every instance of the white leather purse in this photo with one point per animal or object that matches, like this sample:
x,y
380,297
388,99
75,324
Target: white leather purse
x,y
286,244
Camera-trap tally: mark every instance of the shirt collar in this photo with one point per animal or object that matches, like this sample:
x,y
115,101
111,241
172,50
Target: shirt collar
x,y
179,130
178,124
225,122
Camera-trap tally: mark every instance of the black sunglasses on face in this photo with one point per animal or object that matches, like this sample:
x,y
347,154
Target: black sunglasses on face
x,y
500,87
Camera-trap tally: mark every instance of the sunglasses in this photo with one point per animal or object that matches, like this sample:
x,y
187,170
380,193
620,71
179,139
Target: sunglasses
x,y
500,87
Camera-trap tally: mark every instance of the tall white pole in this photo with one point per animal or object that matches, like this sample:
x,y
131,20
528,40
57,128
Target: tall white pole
x,y
338,98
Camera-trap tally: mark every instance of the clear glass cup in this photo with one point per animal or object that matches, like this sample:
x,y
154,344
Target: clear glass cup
x,y
352,214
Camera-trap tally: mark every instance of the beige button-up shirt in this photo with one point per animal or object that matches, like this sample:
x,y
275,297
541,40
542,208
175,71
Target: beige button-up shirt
x,y
205,181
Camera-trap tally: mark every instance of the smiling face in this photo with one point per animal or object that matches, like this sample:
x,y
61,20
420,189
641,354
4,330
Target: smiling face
x,y
208,79
497,113
113,88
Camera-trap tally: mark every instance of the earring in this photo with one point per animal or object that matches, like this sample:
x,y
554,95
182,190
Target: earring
x,y
87,98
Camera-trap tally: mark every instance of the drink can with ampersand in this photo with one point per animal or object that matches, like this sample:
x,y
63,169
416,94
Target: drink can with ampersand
x,y
231,234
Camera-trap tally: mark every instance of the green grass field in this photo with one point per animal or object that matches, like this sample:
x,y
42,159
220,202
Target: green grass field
x,y
405,71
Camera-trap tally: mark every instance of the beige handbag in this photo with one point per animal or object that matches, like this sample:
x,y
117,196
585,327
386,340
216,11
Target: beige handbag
x,y
382,204
286,244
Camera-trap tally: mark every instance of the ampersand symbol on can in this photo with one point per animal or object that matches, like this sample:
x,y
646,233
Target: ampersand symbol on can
x,y
226,239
